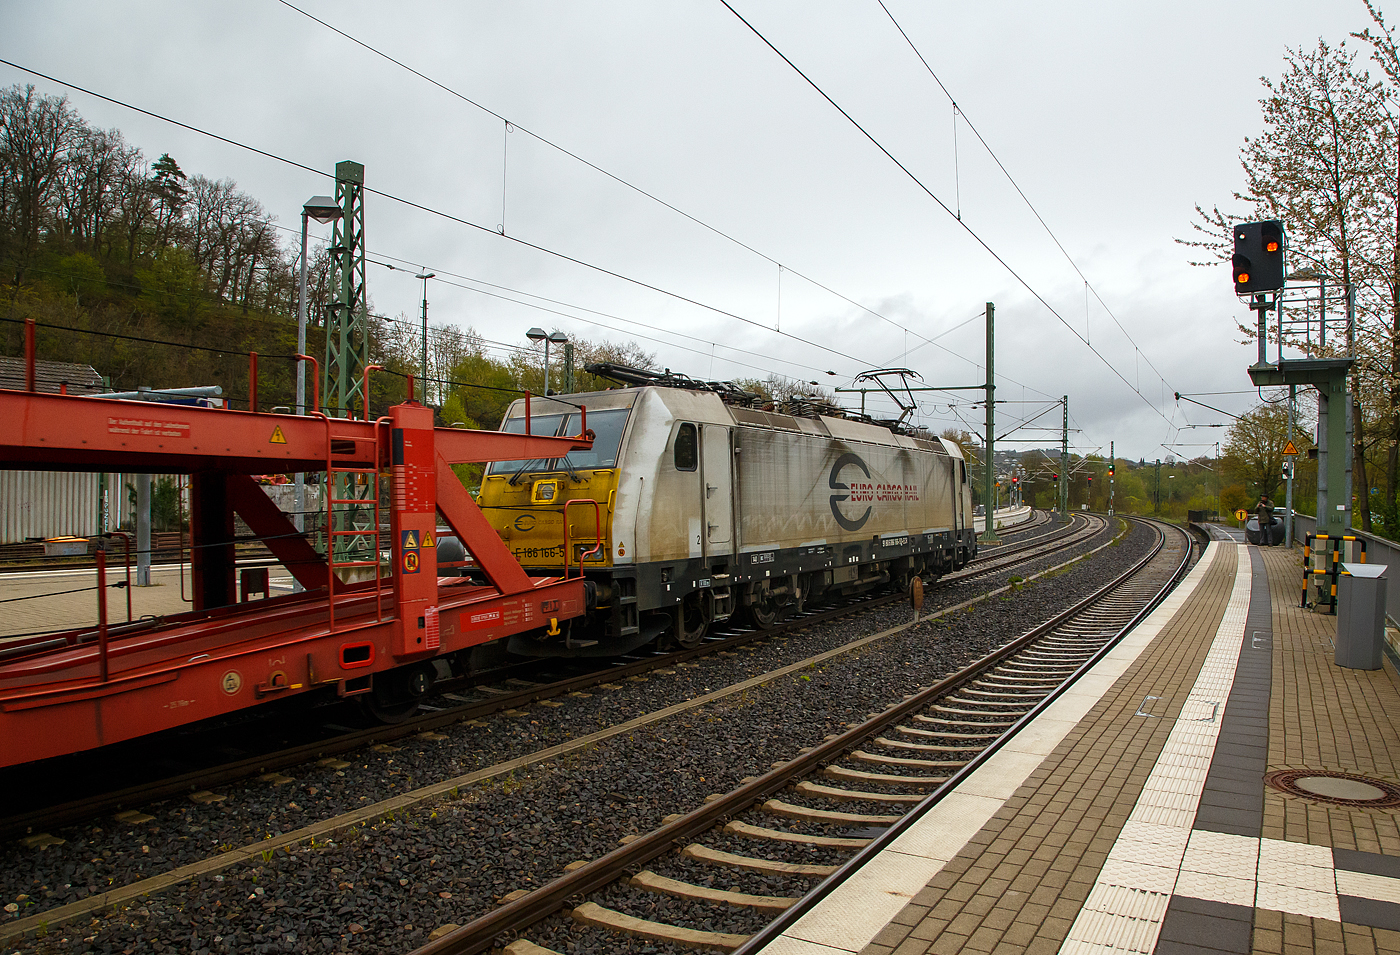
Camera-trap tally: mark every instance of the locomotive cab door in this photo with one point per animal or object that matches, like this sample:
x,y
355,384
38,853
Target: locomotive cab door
x,y
718,476
960,514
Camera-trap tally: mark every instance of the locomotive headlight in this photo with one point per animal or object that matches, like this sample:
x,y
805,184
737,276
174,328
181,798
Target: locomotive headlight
x,y
545,491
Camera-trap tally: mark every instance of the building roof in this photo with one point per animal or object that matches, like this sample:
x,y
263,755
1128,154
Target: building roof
x,y
50,376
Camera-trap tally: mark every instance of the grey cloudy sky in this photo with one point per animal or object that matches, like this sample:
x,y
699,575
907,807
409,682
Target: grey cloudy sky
x,y
1113,118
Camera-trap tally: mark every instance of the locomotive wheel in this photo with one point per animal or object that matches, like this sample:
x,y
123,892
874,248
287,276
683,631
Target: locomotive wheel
x,y
764,611
397,693
691,623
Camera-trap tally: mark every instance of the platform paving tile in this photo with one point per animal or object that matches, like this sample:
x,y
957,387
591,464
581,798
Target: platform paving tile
x,y
1324,878
1067,815
1326,717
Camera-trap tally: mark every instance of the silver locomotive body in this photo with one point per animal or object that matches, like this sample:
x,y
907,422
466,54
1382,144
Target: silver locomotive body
x,y
712,511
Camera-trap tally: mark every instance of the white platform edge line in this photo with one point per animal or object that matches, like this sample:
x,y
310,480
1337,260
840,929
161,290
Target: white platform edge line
x,y
952,827
1213,682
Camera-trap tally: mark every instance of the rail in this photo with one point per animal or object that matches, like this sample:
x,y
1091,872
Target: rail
x,y
481,934
364,390
315,380
29,347
102,614
788,918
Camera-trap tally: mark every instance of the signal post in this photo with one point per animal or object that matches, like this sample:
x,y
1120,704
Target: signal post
x,y
1258,267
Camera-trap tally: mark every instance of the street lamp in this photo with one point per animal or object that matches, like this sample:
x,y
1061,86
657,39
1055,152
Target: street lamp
x,y
423,369
556,338
323,209
539,335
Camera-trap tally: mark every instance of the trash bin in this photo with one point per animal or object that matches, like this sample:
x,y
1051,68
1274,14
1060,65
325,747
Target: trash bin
x,y
1361,616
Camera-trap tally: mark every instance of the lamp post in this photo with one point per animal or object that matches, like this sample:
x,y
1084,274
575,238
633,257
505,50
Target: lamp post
x,y
423,365
539,335
556,338
323,209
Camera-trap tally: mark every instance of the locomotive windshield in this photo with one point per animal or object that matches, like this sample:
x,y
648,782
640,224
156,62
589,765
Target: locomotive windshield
x,y
606,426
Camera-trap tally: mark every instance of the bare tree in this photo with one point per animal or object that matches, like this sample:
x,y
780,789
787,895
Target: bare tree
x,y
1253,450
35,135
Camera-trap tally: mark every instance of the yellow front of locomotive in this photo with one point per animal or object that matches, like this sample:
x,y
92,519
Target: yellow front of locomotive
x,y
556,514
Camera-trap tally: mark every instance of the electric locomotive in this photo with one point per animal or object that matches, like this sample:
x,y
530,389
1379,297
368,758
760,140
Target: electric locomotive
x,y
698,502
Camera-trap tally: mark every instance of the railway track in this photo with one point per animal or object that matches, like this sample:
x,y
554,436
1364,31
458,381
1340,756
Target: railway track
x,y
234,857
510,688
839,802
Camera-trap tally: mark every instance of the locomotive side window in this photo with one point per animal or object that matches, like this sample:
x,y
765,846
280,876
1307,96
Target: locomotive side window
x,y
687,453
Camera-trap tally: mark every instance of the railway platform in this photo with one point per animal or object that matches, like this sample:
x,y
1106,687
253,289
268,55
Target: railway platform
x,y
1215,784
61,599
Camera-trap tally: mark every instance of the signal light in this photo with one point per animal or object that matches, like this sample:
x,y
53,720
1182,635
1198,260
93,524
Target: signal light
x,y
1110,470
1091,479
1258,264
1054,477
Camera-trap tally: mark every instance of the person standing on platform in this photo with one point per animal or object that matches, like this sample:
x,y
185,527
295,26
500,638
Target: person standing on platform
x,y
1264,510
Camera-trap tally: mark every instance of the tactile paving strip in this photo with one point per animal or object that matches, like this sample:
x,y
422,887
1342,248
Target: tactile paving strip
x,y
1123,915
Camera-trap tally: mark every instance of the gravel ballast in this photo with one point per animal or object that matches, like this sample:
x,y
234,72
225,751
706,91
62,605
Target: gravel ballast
x,y
387,886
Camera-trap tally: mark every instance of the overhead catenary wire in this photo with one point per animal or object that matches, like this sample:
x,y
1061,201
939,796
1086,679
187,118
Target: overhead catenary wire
x,y
582,263
543,140
1023,282
412,204
1088,286
591,311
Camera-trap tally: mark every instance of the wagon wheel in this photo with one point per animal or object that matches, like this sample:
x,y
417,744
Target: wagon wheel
x,y
763,610
690,621
390,711
397,693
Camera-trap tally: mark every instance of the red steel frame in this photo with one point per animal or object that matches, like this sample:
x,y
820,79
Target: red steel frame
x,y
71,691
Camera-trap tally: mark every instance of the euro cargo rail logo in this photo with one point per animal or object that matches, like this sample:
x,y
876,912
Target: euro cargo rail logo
x,y
866,492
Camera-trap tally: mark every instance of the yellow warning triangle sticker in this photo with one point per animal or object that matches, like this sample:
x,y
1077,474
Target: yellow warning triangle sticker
x,y
428,539
277,436
410,539
1289,449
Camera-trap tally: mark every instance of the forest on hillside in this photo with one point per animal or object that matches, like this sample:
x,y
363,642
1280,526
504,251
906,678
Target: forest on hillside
x,y
164,277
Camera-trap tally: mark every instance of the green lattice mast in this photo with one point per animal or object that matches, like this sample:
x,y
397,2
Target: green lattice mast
x,y
347,326
347,355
